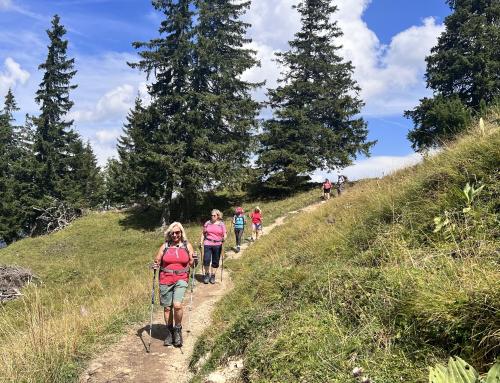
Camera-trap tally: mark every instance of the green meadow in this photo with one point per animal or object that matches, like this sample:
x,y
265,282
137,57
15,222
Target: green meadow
x,y
392,277
92,280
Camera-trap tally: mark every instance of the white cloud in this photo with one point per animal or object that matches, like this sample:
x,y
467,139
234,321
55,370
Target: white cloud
x,y
5,4
104,136
8,5
114,104
103,151
12,74
377,166
391,77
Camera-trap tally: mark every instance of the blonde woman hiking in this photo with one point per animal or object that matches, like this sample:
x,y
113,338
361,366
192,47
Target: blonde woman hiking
x,y
174,259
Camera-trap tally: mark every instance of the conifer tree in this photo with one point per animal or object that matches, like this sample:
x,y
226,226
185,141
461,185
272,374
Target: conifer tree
x,y
53,134
202,115
86,178
137,172
462,71
315,123
169,58
8,209
222,112
26,190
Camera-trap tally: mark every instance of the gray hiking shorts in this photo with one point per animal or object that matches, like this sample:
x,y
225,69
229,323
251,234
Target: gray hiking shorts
x,y
172,293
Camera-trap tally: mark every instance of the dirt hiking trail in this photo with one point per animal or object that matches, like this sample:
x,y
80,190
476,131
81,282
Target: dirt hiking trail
x,y
128,361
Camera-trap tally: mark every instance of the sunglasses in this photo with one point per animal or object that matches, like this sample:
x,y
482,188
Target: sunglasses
x,y
214,215
176,233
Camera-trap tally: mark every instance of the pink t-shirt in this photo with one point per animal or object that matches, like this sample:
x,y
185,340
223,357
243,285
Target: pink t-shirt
x,y
214,233
174,258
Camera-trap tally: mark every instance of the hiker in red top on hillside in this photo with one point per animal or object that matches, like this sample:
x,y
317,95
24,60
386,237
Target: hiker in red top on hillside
x,y
256,217
213,236
327,188
174,259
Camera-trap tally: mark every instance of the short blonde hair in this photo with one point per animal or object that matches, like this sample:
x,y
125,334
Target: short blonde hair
x,y
257,209
218,212
168,235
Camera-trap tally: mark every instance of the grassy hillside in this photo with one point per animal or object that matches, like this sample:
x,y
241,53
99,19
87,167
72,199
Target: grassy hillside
x,y
94,279
370,280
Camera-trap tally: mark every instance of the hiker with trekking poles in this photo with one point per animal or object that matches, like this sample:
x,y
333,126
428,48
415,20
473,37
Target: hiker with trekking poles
x,y
174,259
341,181
213,236
326,187
256,217
239,222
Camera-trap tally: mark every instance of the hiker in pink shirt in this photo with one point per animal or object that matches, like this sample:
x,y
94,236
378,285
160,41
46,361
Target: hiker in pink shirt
x,y
213,236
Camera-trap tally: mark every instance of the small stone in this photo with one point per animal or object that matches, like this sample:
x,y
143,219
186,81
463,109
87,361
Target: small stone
x,y
357,371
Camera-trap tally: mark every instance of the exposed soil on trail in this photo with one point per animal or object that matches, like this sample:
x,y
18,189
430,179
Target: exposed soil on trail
x,y
128,361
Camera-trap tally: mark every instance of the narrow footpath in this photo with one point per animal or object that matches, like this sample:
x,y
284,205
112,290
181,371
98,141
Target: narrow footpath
x,y
128,361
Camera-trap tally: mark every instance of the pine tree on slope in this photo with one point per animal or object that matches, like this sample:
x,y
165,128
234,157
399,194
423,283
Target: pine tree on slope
x,y
315,123
137,177
462,71
169,58
57,145
203,109
8,210
222,112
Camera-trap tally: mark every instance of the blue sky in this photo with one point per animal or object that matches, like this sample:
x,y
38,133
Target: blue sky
x,y
387,40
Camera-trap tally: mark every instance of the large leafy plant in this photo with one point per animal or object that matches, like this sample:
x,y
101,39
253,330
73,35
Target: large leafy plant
x,y
459,371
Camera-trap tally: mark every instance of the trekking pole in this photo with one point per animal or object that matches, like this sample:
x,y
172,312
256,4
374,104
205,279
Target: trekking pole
x,y
153,293
191,299
222,256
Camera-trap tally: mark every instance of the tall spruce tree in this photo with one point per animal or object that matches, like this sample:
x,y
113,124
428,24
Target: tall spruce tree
x,y
53,136
136,175
203,110
462,71
222,112
169,58
26,189
315,123
9,214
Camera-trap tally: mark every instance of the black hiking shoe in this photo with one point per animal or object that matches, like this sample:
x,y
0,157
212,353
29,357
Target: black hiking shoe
x,y
178,336
237,249
212,279
168,338
206,278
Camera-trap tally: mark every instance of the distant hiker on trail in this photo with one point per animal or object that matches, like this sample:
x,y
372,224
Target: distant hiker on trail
x,y
239,222
213,236
327,187
174,258
256,217
341,180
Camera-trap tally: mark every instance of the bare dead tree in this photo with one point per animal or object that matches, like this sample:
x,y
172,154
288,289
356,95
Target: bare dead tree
x,y
54,217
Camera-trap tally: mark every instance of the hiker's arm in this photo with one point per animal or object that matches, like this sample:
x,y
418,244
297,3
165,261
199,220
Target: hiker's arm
x,y
202,237
158,255
191,253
